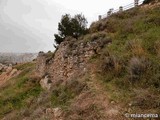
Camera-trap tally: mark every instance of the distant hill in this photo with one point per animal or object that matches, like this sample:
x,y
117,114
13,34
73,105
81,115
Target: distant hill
x,y
7,58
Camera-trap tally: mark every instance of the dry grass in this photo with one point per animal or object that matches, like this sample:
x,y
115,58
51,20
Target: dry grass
x,y
136,68
109,64
135,46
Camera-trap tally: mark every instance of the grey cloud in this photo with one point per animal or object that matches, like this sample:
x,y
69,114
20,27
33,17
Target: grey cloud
x,y
28,25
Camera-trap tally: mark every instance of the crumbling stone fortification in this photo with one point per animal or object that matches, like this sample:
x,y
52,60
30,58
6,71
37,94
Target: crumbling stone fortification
x,y
70,59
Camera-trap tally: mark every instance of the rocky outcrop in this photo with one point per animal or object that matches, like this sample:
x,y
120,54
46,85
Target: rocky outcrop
x,y
55,112
70,60
45,83
7,72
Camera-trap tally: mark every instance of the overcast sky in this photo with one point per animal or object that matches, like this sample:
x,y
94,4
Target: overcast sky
x,y
29,25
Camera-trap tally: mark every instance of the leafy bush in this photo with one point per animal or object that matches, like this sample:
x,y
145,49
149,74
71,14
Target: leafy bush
x,y
69,26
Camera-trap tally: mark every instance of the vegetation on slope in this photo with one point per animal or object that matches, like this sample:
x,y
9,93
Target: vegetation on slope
x,y
127,71
20,91
130,66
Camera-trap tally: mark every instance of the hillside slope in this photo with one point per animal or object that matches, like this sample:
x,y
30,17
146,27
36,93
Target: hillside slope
x,y
113,70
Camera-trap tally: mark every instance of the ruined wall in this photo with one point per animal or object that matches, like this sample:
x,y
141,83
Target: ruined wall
x,y
70,60
41,64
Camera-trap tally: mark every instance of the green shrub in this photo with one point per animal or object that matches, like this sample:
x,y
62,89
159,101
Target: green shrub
x,y
71,26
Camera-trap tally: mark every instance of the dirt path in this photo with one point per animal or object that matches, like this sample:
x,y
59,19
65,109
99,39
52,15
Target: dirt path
x,y
112,110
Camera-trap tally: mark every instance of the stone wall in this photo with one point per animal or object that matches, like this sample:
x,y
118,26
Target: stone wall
x,y
41,64
70,60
